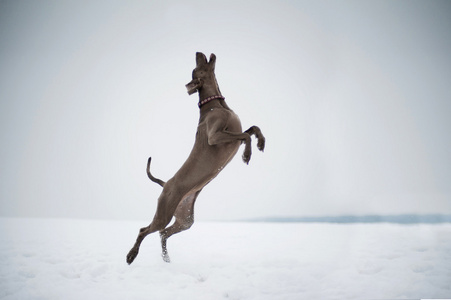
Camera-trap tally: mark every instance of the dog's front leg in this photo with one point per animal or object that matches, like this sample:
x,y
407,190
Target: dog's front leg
x,y
217,133
220,137
225,137
255,130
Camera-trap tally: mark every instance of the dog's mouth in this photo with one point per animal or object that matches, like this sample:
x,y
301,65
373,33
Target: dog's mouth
x,y
194,85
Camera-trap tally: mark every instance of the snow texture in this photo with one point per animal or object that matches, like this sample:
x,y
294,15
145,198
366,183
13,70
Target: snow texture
x,y
79,259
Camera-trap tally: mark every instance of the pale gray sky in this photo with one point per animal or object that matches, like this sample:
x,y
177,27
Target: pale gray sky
x,y
352,96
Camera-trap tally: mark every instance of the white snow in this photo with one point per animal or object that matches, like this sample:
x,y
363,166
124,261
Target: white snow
x,y
79,259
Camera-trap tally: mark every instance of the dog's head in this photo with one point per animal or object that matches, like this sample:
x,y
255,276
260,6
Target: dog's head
x,y
203,74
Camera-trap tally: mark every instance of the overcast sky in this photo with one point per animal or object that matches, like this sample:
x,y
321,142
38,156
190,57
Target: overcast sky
x,y
352,96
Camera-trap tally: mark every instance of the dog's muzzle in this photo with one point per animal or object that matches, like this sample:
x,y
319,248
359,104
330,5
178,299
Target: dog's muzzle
x,y
194,85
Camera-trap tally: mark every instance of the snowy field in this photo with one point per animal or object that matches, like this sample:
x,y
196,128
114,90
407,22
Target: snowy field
x,y
78,259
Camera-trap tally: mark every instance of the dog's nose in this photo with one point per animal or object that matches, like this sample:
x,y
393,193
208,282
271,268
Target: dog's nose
x,y
193,86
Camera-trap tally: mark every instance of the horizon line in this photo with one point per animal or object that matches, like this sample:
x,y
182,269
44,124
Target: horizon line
x,y
365,218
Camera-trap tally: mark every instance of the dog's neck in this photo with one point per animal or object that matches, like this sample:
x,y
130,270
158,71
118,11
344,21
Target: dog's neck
x,y
208,89
211,96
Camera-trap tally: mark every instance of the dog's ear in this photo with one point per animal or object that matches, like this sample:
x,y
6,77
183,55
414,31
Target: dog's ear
x,y
201,59
212,62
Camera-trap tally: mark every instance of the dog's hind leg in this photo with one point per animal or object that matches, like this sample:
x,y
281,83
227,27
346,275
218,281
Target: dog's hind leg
x,y
167,205
184,218
156,225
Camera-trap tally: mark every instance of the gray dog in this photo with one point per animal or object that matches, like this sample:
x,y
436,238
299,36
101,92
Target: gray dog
x,y
218,137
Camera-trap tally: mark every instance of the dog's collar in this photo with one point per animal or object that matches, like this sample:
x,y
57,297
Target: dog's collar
x,y
206,100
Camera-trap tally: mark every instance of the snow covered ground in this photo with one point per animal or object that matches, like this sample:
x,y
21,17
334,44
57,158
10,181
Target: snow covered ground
x,y
79,259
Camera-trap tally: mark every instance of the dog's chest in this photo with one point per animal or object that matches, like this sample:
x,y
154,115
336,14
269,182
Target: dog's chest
x,y
201,134
217,120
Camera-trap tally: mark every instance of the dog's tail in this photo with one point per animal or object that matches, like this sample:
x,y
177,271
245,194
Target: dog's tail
x,y
159,181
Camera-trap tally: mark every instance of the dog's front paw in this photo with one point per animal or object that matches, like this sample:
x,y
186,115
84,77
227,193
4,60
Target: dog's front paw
x,y
246,157
261,144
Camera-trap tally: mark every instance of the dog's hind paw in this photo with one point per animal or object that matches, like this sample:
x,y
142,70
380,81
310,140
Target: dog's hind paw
x,y
166,258
132,255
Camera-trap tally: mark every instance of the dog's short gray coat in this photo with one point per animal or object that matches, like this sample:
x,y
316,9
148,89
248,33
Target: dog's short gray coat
x,y
218,137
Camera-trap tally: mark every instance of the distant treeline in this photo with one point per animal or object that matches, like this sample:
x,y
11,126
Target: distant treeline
x,y
398,219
